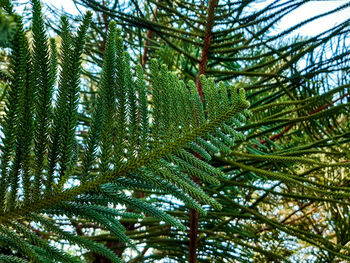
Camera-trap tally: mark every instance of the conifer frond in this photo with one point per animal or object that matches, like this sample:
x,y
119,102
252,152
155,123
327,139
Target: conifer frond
x,y
130,143
43,86
15,121
299,91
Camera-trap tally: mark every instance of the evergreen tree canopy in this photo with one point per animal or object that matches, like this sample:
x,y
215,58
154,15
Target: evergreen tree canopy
x,y
135,134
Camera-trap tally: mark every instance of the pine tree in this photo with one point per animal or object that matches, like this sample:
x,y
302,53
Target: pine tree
x,y
50,174
296,147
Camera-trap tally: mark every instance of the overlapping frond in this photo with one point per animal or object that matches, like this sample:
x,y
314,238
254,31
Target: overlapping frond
x,y
286,175
48,174
295,151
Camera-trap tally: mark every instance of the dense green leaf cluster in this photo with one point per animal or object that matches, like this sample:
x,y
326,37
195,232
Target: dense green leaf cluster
x,y
48,174
285,192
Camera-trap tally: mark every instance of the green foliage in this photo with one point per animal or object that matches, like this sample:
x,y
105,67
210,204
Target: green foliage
x,y
50,174
278,174
7,29
285,177
17,120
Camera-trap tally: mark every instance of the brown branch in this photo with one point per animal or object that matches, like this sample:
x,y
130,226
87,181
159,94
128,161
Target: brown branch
x,y
287,128
205,47
194,215
291,222
301,208
148,36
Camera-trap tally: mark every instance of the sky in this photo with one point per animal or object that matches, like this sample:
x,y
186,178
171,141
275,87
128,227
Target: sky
x,y
306,11
312,9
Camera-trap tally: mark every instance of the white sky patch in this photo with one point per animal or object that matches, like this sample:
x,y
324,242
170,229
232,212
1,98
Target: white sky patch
x,y
66,5
312,9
